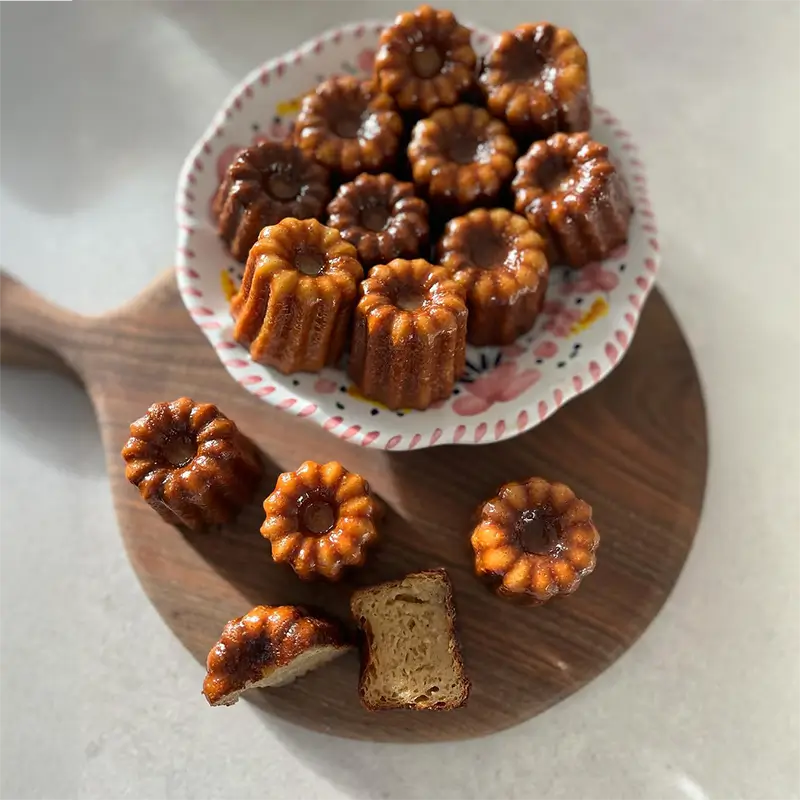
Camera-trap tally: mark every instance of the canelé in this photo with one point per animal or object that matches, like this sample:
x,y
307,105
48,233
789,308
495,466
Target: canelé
x,y
500,262
536,78
349,127
573,195
268,646
461,158
320,520
382,217
295,303
409,335
425,60
535,540
191,463
264,184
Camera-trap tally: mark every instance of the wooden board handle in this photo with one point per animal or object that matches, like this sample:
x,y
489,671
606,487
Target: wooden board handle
x,y
34,332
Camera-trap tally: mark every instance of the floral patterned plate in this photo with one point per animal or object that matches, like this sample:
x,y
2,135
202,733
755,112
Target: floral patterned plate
x,y
588,320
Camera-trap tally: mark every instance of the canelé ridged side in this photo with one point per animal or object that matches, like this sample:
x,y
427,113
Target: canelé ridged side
x,y
536,78
500,262
291,319
409,336
259,644
191,463
573,195
264,184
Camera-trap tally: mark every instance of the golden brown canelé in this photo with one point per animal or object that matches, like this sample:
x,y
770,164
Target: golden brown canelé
x,y
573,195
425,60
191,463
349,127
461,157
320,520
294,306
409,337
536,78
264,184
534,540
381,217
268,646
500,262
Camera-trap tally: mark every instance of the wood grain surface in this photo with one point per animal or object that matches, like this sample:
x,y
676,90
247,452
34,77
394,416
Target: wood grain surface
x,y
634,447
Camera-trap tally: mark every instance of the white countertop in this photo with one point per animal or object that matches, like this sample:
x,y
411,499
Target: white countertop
x,y
100,103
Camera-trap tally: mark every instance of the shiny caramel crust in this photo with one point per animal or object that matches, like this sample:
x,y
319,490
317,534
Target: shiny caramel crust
x,y
353,509
259,643
289,319
405,230
408,357
526,576
425,60
500,262
191,463
349,127
584,213
244,202
536,78
464,184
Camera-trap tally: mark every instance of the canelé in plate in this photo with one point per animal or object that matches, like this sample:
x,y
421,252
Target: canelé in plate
x,y
573,195
382,217
349,127
536,78
425,60
500,262
295,303
409,334
264,184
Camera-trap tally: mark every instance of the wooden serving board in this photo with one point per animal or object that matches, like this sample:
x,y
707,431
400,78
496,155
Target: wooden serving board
x,y
634,447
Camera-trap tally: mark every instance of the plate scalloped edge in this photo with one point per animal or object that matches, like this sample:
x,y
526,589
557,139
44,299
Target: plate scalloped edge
x,y
534,406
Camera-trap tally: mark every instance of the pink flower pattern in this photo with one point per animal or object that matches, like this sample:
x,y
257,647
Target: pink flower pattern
x,y
546,349
225,159
366,60
502,384
561,319
514,350
325,386
592,278
277,130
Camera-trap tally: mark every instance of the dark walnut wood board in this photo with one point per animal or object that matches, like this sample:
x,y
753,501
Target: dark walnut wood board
x,y
634,447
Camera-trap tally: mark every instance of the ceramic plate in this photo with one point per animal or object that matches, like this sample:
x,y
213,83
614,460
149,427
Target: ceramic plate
x,y
588,320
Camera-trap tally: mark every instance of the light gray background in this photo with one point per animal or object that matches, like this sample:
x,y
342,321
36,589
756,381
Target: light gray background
x,y
100,103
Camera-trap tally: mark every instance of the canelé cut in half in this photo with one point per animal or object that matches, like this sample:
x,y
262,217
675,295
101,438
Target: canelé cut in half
x,y
573,195
268,646
264,184
409,336
534,540
295,303
191,463
411,657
